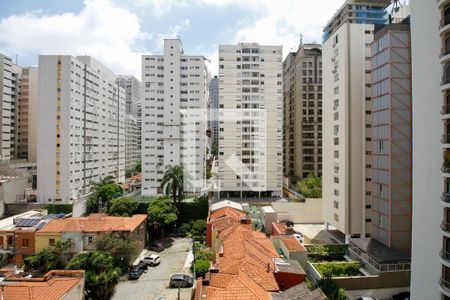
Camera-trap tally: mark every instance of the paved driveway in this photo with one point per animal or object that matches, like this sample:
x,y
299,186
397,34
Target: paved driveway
x,y
155,282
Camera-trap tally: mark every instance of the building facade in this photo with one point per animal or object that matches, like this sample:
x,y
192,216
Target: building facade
x,y
250,121
430,29
214,111
7,95
302,106
346,114
132,136
81,127
174,117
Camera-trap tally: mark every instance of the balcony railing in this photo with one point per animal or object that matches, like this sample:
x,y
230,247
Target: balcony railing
x,y
444,52
445,197
444,254
445,284
444,22
445,80
445,110
445,226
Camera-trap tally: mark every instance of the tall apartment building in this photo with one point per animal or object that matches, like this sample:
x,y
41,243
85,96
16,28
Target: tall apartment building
x,y
346,114
174,116
133,101
302,105
250,120
132,135
430,37
214,110
391,153
7,94
26,110
81,127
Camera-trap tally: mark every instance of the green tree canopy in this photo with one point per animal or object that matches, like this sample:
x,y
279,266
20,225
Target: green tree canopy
x,y
101,274
102,193
137,168
162,212
331,290
49,258
172,183
310,187
122,248
124,206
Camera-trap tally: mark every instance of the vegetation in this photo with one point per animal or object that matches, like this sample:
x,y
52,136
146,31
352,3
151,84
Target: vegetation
x,y
202,261
331,290
215,150
124,207
58,208
131,171
161,213
310,187
100,272
137,168
198,209
102,193
195,229
338,269
122,248
208,172
48,259
319,253
173,183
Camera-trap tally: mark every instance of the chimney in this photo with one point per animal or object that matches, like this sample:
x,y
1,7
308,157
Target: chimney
x,y
268,267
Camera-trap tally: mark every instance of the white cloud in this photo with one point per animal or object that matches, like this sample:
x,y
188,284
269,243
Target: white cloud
x,y
101,29
173,32
158,7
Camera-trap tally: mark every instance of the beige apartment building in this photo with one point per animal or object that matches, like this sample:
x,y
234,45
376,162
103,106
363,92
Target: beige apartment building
x,y
430,47
250,121
302,108
346,115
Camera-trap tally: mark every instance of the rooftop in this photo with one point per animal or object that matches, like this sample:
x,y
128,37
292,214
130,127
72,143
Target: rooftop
x,y
226,203
288,266
95,223
380,252
227,212
292,244
52,286
300,291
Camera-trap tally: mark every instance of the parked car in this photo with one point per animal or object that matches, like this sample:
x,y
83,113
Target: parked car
x,y
156,246
402,296
136,271
366,298
287,223
298,236
181,280
152,260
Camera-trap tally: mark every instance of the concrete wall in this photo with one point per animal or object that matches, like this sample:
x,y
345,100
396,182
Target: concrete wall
x,y
300,212
76,293
76,239
301,257
14,189
42,240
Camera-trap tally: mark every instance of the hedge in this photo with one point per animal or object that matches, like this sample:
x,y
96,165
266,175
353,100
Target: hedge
x,y
59,208
318,253
338,269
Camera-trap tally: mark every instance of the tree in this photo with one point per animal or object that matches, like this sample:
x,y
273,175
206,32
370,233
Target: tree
x,y
172,183
161,212
49,258
124,207
215,149
201,267
331,290
100,272
102,193
121,246
137,168
311,186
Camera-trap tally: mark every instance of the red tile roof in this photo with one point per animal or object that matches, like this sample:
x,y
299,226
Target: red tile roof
x,y
292,244
280,227
53,286
94,223
227,212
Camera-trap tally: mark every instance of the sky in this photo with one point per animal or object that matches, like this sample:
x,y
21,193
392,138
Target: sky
x,y
118,32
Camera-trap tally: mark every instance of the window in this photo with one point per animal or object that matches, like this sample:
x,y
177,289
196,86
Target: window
x,y
90,240
51,242
25,242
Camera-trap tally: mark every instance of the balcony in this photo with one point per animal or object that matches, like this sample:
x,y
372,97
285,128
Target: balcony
x,y
445,55
446,169
445,83
446,139
444,26
445,110
441,3
445,226
445,286
445,197
445,256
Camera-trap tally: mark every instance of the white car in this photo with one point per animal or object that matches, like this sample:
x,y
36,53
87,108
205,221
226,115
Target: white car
x,y
299,237
152,260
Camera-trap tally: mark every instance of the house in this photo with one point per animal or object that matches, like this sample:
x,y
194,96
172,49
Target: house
x,y
54,285
83,231
290,248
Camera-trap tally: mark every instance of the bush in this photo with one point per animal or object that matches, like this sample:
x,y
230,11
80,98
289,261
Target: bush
x,y
58,208
319,253
196,210
331,290
203,254
338,269
202,267
184,229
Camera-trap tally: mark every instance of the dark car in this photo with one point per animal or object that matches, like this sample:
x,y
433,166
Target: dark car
x,y
135,272
402,296
156,246
287,223
181,280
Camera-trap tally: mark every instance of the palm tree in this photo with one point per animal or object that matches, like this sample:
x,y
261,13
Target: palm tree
x,y
172,183
103,181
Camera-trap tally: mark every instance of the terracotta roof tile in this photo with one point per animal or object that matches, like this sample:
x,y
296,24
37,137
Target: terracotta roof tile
x,y
292,244
227,212
281,227
94,223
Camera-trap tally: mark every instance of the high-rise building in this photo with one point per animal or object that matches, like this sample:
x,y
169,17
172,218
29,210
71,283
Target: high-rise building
x,y
346,115
26,110
214,110
174,116
302,126
7,94
430,48
132,135
391,152
81,127
250,121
